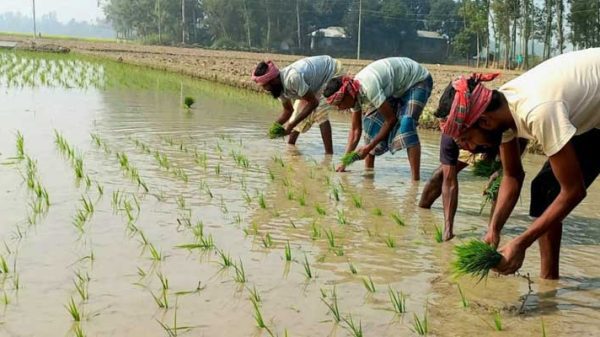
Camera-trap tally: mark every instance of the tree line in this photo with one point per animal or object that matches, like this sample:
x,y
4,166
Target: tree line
x,y
504,32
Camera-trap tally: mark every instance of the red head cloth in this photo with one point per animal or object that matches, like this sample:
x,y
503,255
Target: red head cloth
x,y
468,105
349,86
272,72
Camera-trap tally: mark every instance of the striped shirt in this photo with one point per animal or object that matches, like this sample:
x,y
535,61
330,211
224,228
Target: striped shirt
x,y
309,74
386,78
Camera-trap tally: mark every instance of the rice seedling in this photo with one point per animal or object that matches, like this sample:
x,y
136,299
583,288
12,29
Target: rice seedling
x,y
180,173
288,251
543,327
463,298
276,130
204,243
320,210
162,301
82,288
3,265
377,212
357,201
258,318
267,241
420,326
73,310
330,238
155,254
240,273
315,231
141,273
497,321
261,200
307,269
352,268
20,146
16,282
188,102
271,175
293,224
164,281
491,192
78,331
218,169
181,203
335,193
355,330
225,259
369,285
254,295
302,199
485,168
333,306
397,219
349,158
390,241
476,258
341,217
398,300
100,189
438,234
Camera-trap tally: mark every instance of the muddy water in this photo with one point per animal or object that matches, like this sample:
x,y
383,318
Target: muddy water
x,y
139,115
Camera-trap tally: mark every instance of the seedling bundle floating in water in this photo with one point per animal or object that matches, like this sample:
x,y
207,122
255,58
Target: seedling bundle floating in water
x,y
188,102
277,130
350,158
475,258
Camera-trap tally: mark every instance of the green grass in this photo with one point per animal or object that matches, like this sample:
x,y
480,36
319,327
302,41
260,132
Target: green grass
x,y
276,130
73,310
349,158
438,234
288,251
188,101
398,300
397,219
333,306
369,285
240,273
420,326
475,258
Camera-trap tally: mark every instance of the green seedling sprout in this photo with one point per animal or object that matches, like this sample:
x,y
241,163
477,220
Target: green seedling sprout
x,y
397,219
3,266
289,194
320,210
438,234
352,268
154,253
254,294
78,331
225,259
267,241
302,199
476,258
20,146
377,212
330,238
369,285
307,269
463,298
420,326
357,200
276,130
333,306
341,217
350,158
315,231
164,282
73,310
240,273
398,300
335,193
390,241
261,201
188,102
162,300
355,330
288,251
497,321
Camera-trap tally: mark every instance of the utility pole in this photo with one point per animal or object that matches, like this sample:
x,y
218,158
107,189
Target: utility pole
x,y
158,14
182,21
34,27
359,29
298,22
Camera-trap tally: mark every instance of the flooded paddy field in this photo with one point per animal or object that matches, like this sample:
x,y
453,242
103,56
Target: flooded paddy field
x,y
126,214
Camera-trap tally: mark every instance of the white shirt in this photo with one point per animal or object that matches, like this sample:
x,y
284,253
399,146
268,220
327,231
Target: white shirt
x,y
309,74
556,100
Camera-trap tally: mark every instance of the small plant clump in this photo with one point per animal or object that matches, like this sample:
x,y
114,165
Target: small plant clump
x,y
398,300
420,326
188,102
350,158
276,130
476,258
485,168
491,193
438,234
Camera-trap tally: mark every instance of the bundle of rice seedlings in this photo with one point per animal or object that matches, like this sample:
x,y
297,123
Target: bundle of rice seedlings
x,y
485,168
188,101
350,158
277,130
475,258
491,193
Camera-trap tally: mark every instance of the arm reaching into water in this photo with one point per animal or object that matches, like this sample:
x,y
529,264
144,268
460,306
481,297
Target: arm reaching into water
x,y
353,136
288,109
308,105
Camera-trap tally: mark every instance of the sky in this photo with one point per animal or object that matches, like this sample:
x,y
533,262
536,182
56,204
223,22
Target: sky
x,y
80,10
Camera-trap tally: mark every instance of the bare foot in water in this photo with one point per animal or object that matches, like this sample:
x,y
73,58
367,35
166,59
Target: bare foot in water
x,y
448,235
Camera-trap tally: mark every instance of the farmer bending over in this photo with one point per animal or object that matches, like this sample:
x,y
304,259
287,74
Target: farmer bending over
x,y
299,87
386,99
556,104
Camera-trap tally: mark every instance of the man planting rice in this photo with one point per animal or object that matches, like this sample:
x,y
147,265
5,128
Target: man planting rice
x,y
386,99
556,104
299,87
